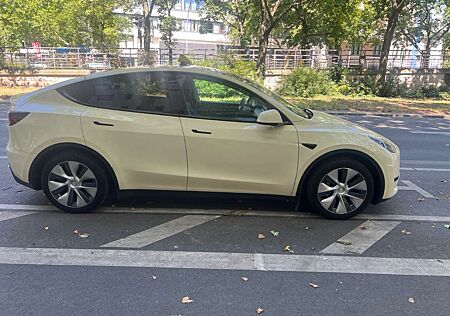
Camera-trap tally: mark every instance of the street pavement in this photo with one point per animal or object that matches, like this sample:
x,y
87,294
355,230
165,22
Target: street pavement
x,y
146,252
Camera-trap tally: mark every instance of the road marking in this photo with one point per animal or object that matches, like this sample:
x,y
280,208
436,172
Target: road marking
x,y
3,119
160,232
360,239
3,157
10,215
412,187
426,162
431,133
424,169
150,211
224,261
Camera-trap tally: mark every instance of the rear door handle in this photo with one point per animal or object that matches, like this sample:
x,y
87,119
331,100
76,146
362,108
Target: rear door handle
x,y
102,124
200,132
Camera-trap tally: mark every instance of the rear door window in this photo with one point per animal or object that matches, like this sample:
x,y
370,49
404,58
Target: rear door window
x,y
150,92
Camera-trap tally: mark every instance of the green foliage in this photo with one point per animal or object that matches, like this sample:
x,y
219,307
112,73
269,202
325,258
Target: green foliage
x,y
307,82
61,22
243,68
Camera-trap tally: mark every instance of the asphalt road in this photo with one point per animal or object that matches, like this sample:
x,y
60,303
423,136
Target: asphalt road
x,y
144,254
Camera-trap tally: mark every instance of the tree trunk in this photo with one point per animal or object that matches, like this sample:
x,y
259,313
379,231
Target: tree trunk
x,y
147,10
426,55
263,44
394,14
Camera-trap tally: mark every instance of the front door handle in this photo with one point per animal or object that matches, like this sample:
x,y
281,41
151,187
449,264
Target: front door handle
x,y
200,132
102,124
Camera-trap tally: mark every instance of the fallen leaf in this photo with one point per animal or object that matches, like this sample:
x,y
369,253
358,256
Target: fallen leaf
x,y
46,227
84,235
444,181
411,300
313,285
275,233
261,236
259,310
133,209
362,227
154,278
244,279
186,300
447,226
420,199
75,231
344,242
404,231
288,249
306,228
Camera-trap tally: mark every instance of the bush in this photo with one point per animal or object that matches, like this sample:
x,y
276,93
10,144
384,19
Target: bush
x,y
307,82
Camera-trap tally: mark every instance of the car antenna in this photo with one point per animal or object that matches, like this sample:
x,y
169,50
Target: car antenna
x,y
183,60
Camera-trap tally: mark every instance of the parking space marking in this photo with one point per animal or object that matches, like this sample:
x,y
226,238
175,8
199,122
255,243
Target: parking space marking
x,y
3,157
432,133
412,187
224,261
224,212
361,238
426,162
10,215
160,232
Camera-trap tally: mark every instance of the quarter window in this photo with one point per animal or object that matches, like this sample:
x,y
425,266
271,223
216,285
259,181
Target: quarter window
x,y
151,92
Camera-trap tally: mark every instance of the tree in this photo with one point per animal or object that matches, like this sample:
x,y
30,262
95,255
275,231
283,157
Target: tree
x,y
168,24
147,10
238,15
391,10
428,22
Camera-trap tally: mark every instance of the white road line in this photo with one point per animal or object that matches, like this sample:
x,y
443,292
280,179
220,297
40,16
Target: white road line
x,y
10,215
431,133
426,162
186,211
424,169
3,119
160,232
224,261
3,157
361,238
412,187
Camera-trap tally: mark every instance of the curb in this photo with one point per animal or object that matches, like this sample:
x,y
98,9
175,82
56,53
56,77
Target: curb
x,y
443,116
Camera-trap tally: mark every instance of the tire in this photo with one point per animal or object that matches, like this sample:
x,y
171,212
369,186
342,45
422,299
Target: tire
x,y
81,193
340,189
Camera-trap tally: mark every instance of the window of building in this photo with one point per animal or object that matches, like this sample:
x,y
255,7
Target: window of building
x,y
356,50
152,92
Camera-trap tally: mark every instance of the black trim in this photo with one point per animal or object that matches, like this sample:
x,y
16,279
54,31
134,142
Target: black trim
x,y
201,132
310,146
29,185
102,124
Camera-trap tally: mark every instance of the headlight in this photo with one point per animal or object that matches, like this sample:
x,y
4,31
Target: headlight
x,y
385,144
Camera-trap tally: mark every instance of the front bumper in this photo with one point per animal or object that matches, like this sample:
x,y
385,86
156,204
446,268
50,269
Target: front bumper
x,y
391,171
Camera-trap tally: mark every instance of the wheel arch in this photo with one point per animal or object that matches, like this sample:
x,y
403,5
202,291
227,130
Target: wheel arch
x,y
368,161
38,163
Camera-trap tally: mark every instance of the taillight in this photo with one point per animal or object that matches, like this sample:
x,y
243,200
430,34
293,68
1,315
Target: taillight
x,y
16,117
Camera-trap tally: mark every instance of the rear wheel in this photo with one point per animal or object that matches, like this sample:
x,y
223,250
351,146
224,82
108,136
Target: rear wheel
x,y
340,189
74,183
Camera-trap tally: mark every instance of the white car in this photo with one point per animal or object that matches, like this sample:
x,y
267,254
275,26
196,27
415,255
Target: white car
x,y
191,129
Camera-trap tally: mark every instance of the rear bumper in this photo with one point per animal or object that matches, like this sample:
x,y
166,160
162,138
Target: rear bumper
x,y
19,164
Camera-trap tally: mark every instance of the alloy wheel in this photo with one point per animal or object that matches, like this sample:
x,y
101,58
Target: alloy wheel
x,y
72,184
342,190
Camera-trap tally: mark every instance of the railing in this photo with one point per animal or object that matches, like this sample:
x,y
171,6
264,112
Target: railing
x,y
101,59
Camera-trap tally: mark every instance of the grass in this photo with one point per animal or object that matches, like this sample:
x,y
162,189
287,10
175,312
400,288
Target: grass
x,y
335,103
375,104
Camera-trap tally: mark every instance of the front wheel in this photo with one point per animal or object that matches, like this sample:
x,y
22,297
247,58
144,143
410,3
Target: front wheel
x,y
340,189
74,183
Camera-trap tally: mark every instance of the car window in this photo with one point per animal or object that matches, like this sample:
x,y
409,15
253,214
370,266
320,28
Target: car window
x,y
153,92
216,99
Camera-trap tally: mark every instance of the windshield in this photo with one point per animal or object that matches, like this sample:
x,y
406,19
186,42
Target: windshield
x,y
291,107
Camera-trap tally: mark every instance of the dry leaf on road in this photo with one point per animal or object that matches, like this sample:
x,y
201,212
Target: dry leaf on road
x,y
261,236
275,233
313,285
411,300
288,249
186,300
84,235
46,227
420,199
259,310
404,231
75,231
344,242
244,279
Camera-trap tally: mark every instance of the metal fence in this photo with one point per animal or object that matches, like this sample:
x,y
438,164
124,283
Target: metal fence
x,y
102,59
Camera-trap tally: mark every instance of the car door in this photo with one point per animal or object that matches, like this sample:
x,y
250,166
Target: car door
x,y
227,150
132,121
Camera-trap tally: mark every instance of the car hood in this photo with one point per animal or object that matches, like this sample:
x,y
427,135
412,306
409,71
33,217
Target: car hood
x,y
324,122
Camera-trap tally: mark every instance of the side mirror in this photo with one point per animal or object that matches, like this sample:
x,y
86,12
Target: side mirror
x,y
270,117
